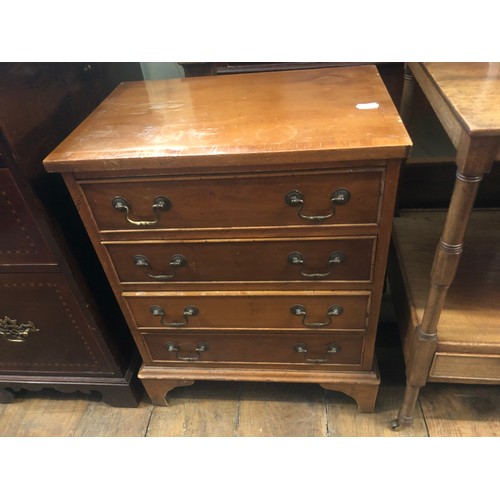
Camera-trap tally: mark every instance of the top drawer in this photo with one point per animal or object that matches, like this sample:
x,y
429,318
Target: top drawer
x,y
328,198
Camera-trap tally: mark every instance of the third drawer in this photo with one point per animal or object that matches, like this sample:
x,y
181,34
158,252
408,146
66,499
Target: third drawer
x,y
306,310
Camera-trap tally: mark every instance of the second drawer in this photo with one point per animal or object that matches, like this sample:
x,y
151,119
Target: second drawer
x,y
313,310
315,259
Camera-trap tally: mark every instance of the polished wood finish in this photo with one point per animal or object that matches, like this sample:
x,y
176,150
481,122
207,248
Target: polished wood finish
x,y
363,394
226,152
22,241
67,343
252,310
263,261
257,350
157,389
468,348
471,91
45,300
238,201
466,99
254,119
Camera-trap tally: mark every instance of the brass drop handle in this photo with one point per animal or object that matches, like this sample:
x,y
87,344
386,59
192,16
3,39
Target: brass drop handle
x,y
161,203
200,347
300,310
296,199
12,332
188,312
332,348
296,258
176,261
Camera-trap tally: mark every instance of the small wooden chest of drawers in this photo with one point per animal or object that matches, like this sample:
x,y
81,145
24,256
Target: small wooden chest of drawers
x,y
243,222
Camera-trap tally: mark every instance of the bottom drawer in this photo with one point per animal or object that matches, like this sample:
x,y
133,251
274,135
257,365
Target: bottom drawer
x,y
313,350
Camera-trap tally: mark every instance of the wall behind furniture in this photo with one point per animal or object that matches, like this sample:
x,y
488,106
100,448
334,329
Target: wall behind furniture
x,y
161,70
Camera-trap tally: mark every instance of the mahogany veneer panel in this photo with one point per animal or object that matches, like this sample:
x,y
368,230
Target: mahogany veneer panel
x,y
238,201
21,242
231,348
263,260
63,342
236,119
53,332
254,310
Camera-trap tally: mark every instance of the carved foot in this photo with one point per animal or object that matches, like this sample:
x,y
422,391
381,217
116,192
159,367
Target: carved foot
x,y
6,395
364,394
157,389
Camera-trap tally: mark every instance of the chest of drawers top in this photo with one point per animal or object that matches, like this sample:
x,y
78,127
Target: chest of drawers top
x,y
237,122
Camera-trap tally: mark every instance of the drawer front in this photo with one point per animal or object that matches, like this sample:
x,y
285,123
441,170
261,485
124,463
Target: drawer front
x,y
334,259
472,368
21,241
305,350
312,311
42,330
238,201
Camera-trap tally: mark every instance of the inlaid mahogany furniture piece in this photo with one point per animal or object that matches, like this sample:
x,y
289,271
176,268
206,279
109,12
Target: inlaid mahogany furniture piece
x,y
52,334
452,337
244,222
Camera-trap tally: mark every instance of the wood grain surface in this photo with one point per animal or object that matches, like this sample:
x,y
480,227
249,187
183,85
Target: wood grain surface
x,y
328,114
472,91
232,409
470,317
303,153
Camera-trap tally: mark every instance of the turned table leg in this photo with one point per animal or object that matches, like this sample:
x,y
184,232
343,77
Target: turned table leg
x,y
406,104
473,158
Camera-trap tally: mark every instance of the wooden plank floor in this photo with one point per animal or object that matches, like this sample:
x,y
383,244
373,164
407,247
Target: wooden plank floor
x,y
255,410
263,409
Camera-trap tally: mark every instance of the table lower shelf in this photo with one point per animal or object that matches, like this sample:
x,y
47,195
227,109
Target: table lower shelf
x,y
468,349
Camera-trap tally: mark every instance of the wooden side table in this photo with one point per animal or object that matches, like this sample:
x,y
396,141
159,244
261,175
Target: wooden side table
x,y
466,99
